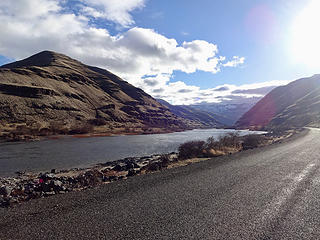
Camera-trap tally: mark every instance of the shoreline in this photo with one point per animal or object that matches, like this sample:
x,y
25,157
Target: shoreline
x,y
99,134
31,138
114,134
119,132
28,186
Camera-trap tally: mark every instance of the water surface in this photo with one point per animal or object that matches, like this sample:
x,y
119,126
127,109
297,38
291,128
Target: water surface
x,y
74,152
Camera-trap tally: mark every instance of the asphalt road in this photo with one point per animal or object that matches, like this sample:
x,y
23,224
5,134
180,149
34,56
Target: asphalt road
x,y
267,193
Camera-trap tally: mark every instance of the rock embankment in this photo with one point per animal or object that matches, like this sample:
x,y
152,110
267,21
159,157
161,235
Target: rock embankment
x,y
27,186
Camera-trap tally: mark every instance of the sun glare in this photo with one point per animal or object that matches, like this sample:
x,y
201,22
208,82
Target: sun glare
x,y
306,35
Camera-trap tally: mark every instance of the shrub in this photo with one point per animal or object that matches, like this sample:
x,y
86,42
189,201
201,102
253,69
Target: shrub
x,y
191,149
212,143
252,141
224,145
230,143
232,140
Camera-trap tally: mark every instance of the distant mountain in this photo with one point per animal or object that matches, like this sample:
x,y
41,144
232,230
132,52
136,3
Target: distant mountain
x,y
52,92
294,105
228,111
194,115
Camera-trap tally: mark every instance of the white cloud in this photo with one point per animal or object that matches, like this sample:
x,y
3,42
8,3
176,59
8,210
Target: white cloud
x,y
114,10
141,56
236,61
179,93
28,9
89,11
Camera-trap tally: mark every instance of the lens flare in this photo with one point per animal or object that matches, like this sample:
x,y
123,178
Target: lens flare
x,y
261,24
306,35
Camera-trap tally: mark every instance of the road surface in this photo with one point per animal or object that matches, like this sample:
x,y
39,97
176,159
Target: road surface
x,y
267,193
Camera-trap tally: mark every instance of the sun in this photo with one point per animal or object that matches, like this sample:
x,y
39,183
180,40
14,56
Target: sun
x,y
306,35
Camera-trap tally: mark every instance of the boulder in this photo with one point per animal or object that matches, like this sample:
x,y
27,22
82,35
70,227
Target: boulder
x,y
46,176
5,190
46,187
120,167
57,185
113,178
131,173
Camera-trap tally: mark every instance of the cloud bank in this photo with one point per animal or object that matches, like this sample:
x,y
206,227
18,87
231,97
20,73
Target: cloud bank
x,y
187,94
141,56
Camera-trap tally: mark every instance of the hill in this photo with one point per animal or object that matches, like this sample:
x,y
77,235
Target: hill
x,y
195,116
50,93
294,105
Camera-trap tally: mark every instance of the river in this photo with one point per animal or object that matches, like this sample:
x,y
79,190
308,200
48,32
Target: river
x,y
72,152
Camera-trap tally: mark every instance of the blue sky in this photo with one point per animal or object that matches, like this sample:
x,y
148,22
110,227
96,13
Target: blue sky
x,y
150,43
225,24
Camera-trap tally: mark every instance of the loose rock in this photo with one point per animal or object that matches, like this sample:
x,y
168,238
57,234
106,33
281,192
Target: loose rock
x,y
25,187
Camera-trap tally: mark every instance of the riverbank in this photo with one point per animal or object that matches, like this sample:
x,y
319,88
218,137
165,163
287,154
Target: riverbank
x,y
13,135
27,186
70,152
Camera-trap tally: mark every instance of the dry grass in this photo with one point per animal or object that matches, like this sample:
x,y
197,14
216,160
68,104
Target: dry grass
x,y
187,162
228,144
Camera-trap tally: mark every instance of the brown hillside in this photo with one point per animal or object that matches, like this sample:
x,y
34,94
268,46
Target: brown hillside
x,y
293,105
50,93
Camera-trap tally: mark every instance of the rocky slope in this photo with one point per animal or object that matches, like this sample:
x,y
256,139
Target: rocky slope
x,y
50,93
294,105
196,116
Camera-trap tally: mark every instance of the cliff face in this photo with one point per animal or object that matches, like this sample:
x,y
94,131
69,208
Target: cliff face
x,y
294,105
52,91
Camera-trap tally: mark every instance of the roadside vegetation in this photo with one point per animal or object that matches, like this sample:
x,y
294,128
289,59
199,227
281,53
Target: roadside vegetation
x,y
228,144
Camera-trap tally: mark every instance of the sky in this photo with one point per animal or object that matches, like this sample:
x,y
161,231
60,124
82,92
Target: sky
x,y
184,52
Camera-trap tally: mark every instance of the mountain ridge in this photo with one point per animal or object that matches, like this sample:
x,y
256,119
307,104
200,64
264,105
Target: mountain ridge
x,y
49,89
228,112
42,59
201,118
286,107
